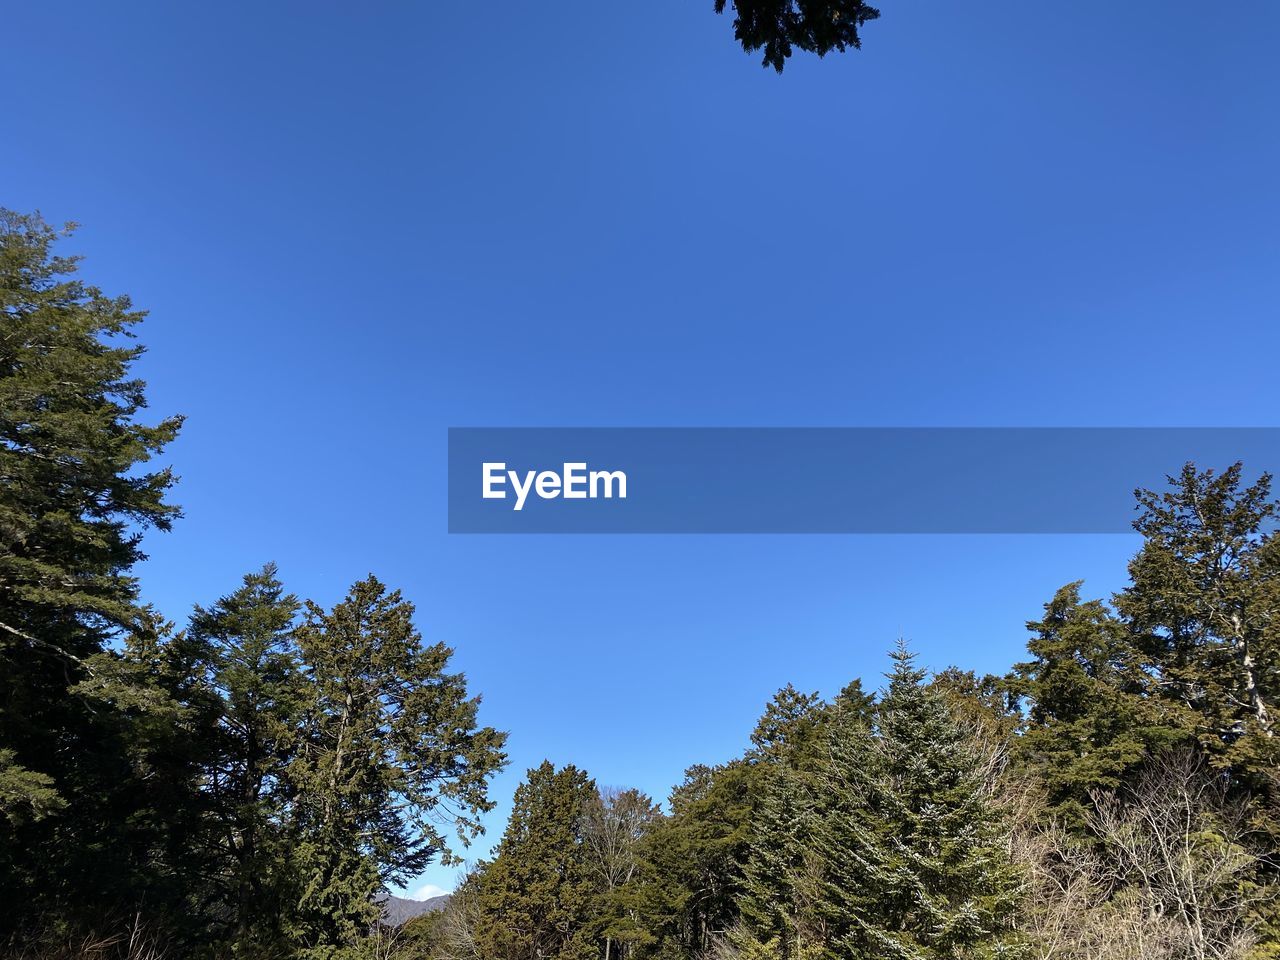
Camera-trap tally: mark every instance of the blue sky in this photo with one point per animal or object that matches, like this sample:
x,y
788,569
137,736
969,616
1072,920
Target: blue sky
x,y
359,224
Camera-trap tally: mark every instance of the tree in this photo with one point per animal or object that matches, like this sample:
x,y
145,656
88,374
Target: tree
x,y
788,752
815,26
774,919
1204,601
788,723
855,702
535,898
911,852
450,933
1203,604
75,497
692,862
1090,723
1186,851
1172,874
243,646
388,749
616,822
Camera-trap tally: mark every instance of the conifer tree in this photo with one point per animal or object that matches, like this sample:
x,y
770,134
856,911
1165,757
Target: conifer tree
x,y
535,898
788,723
855,702
788,746
244,647
1089,721
692,862
913,853
75,494
780,26
1204,601
388,750
773,917
1203,604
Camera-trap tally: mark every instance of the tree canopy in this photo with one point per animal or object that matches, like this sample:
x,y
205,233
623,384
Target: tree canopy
x,y
778,27
253,785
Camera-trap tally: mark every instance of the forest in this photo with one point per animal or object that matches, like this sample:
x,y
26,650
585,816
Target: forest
x,y
251,782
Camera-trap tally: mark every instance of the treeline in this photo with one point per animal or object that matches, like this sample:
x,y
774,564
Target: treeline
x,y
1114,797
249,784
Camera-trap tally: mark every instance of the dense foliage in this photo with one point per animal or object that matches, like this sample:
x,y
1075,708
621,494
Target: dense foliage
x,y
246,787
251,785
780,26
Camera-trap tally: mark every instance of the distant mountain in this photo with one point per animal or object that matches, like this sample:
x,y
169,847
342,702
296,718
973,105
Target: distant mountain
x,y
397,911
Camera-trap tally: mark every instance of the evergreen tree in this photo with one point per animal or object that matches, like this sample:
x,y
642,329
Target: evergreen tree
x,y
913,851
244,645
1203,604
1089,721
854,702
138,791
774,921
815,26
75,495
692,863
1204,601
535,898
788,723
388,748
788,748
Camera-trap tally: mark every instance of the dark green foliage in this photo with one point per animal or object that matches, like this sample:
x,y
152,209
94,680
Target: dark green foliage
x,y
772,907
249,788
74,496
815,26
911,853
69,446
535,898
1204,604
386,738
243,646
692,862
1090,723
854,702
789,751
789,725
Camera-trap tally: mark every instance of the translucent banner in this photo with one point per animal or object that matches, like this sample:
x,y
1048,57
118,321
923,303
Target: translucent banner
x,y
825,480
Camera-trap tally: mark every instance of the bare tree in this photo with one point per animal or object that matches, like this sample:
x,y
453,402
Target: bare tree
x,y
1169,878
454,928
614,825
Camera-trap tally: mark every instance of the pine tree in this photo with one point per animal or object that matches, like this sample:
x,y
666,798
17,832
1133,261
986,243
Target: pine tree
x,y
774,922
1090,723
243,645
1204,601
1204,606
535,898
912,850
75,495
388,748
692,862
788,723
788,745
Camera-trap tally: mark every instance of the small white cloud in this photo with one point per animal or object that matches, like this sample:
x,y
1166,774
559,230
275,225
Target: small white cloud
x,y
427,891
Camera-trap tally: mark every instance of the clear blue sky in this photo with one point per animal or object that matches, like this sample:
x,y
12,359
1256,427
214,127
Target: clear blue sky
x,y
358,224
